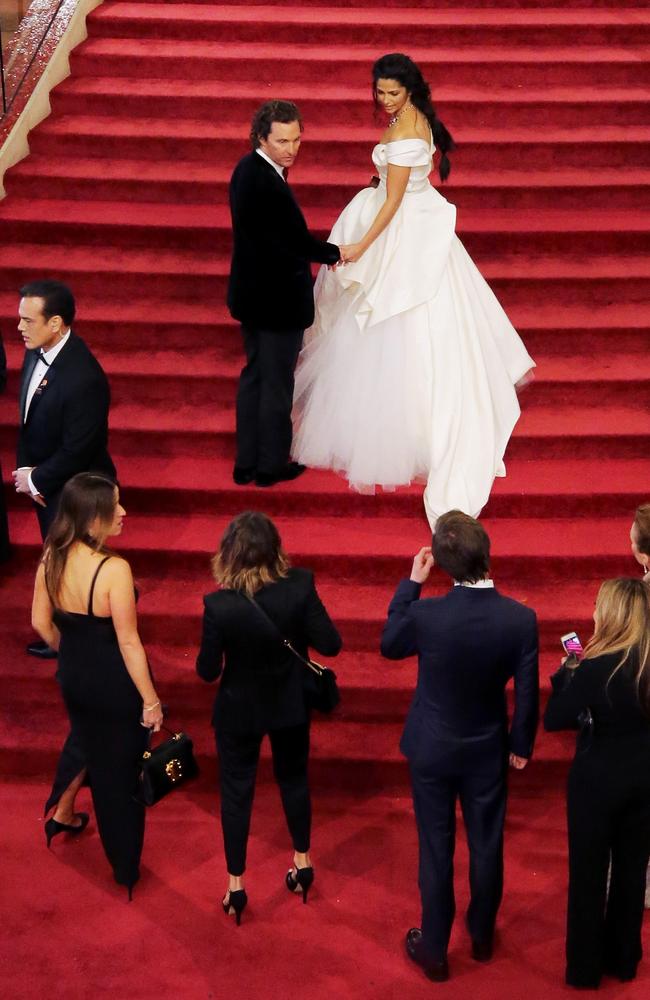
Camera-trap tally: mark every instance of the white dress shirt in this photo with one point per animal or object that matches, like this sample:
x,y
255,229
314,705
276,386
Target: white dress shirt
x,y
38,374
276,166
478,585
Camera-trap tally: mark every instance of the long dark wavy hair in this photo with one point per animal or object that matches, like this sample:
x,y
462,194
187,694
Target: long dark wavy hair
x,y
86,498
397,66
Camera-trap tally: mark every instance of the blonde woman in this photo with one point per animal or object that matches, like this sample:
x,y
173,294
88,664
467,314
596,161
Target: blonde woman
x,y
84,606
262,687
609,785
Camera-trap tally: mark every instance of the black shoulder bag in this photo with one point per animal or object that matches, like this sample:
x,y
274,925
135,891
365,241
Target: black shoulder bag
x,y
319,683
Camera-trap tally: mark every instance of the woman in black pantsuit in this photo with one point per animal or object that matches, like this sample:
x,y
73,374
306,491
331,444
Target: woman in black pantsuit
x,y
84,606
262,687
608,804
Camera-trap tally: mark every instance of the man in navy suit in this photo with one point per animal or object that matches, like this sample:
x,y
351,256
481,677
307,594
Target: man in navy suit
x,y
469,644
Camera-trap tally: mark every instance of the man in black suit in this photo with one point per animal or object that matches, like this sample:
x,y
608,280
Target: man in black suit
x,y
64,401
270,292
469,644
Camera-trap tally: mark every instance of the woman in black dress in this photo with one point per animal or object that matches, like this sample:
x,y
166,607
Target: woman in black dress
x,y
262,687
84,606
608,696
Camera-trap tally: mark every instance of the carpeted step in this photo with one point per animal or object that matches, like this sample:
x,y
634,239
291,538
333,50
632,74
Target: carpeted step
x,y
525,65
181,275
208,227
376,549
329,146
408,26
460,106
188,182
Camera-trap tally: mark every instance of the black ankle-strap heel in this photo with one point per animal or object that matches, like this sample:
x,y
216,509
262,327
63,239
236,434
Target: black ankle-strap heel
x,y
236,904
301,881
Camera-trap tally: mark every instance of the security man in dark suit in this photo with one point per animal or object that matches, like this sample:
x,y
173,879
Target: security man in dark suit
x,y
469,644
64,401
270,292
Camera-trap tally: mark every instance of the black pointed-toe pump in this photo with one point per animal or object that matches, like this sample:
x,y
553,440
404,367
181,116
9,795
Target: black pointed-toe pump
x,y
53,828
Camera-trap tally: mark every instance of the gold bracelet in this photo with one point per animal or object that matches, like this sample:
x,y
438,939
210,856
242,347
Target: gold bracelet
x,y
150,708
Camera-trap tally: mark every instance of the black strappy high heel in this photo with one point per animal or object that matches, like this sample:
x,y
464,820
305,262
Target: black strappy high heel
x,y
301,881
236,904
53,828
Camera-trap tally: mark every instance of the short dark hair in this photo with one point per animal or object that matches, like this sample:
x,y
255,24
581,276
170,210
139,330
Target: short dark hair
x,y
272,111
58,300
461,547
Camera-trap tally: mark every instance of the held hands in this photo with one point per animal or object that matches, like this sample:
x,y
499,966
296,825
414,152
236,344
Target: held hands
x,y
152,716
351,253
422,565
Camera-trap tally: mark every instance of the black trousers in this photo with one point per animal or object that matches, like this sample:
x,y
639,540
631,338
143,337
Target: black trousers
x,y
482,795
265,398
608,817
238,757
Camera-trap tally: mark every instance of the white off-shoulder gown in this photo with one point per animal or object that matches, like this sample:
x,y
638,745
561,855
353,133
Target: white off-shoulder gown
x,y
409,370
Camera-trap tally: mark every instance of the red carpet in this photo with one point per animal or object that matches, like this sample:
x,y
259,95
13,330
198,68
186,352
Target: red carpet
x,y
124,196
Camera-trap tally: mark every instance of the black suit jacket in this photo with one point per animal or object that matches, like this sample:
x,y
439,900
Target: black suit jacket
x,y
262,683
270,285
67,425
469,644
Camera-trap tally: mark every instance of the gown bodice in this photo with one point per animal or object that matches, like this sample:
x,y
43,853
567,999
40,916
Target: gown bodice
x,y
414,153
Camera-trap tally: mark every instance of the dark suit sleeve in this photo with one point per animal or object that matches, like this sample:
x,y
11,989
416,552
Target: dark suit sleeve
x,y
273,218
321,633
398,637
571,693
209,662
85,418
526,714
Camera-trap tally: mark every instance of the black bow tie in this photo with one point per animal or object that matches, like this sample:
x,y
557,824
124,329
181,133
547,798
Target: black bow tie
x,y
41,357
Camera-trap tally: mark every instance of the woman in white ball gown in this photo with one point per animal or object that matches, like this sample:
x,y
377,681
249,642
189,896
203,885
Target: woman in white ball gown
x,y
409,371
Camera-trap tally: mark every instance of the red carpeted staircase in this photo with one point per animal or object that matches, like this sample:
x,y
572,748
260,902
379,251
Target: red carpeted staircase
x,y
124,197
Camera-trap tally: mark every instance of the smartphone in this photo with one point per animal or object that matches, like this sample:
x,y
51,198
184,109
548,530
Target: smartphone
x,y
572,645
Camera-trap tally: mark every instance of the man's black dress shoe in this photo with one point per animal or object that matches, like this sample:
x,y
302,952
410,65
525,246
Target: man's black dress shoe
x,y
43,650
243,476
437,971
482,951
291,471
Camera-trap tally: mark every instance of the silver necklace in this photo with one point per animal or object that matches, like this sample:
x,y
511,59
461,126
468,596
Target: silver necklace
x,y
394,120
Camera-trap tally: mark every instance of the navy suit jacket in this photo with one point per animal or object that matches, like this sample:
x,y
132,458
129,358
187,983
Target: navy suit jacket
x,y
469,644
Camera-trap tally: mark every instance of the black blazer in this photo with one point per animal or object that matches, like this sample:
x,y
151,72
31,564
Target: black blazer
x,y
270,285
614,704
469,644
262,683
67,425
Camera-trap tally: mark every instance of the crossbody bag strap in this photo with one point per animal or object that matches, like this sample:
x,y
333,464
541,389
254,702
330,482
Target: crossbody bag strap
x,y
314,667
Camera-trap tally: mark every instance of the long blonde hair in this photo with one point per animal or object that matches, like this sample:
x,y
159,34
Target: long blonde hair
x,y
250,554
623,626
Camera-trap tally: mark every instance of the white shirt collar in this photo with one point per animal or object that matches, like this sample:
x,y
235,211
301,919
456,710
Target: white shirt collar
x,y
56,350
276,166
479,585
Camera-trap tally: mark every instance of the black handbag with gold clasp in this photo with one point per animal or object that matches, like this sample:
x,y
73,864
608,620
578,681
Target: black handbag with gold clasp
x,y
165,767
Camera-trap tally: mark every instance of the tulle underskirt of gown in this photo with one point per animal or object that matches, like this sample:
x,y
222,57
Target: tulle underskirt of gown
x,y
427,394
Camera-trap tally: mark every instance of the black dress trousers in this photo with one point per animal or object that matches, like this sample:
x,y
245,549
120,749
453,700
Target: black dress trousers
x,y
265,399
238,758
